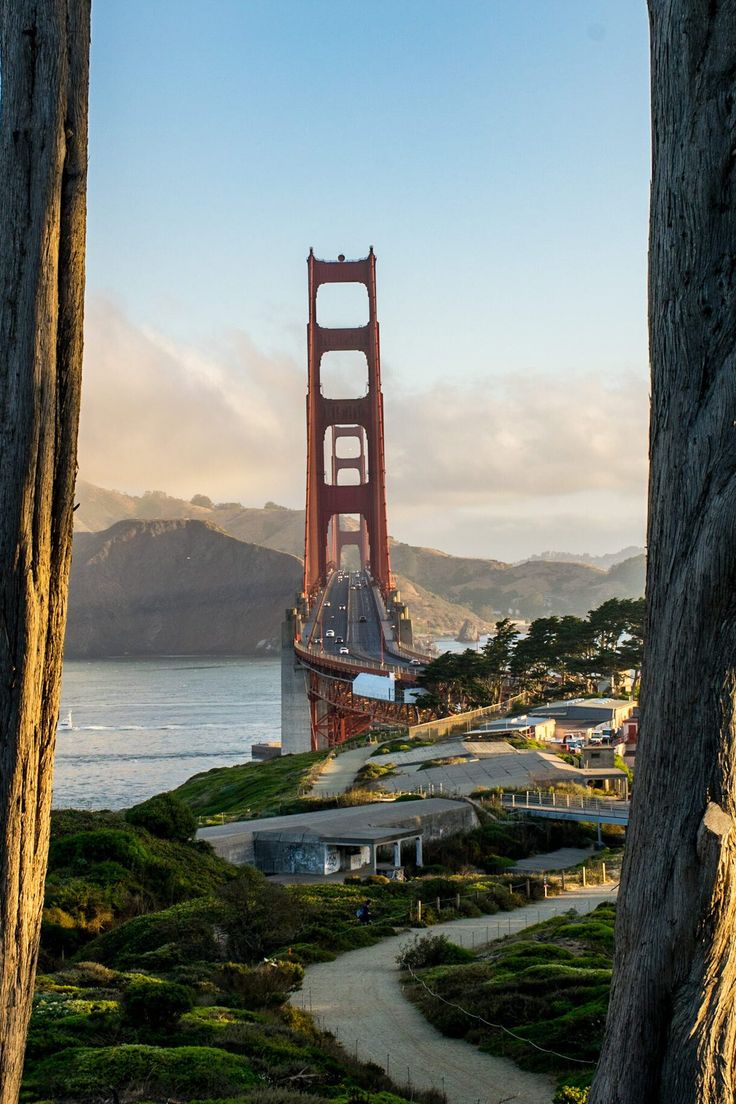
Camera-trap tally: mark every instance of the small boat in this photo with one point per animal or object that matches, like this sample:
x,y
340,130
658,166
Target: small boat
x,y
68,722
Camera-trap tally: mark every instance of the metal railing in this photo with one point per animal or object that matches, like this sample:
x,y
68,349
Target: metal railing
x,y
551,799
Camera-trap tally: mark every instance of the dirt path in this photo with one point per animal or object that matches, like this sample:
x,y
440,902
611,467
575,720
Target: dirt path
x,y
338,773
358,998
562,859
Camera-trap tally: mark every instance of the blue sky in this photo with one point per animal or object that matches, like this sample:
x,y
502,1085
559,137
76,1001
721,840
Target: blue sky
x,y
495,154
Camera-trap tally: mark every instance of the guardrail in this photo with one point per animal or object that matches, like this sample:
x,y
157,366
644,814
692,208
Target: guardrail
x,y
553,801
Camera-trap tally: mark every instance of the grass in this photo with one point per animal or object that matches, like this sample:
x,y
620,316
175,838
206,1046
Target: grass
x,y
187,1001
253,789
500,841
549,985
394,746
446,761
103,870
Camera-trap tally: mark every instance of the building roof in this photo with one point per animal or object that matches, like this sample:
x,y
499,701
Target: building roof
x,y
385,817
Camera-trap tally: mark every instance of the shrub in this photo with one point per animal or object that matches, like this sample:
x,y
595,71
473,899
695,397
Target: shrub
x,y
260,916
89,975
260,986
165,816
156,1004
88,1073
432,950
568,1094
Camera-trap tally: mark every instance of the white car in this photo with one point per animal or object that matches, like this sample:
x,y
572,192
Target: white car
x,y
414,663
344,651
330,632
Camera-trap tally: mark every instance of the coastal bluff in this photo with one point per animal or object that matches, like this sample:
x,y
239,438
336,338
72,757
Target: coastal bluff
x,y
178,587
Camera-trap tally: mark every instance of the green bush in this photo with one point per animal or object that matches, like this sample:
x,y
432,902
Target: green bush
x,y
89,1073
549,984
260,986
165,816
184,932
432,950
156,1004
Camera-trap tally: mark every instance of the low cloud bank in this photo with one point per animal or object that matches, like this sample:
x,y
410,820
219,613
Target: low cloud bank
x,y
499,467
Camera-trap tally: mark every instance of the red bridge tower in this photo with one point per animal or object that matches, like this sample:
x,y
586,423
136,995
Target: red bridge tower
x,y
360,417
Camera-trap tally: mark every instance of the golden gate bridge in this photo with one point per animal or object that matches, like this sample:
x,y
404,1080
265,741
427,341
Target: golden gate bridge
x,y
347,659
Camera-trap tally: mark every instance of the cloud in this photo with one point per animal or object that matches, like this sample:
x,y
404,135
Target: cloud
x,y
160,415
498,467
531,436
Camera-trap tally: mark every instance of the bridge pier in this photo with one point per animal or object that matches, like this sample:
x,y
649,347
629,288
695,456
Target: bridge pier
x,y
296,728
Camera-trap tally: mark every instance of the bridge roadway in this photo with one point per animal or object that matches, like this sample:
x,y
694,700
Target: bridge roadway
x,y
347,625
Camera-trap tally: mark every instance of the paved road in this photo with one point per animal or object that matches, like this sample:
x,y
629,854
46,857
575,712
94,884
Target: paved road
x,y
349,613
358,998
338,773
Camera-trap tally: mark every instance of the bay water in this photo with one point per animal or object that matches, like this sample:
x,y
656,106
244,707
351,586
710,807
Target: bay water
x,y
142,726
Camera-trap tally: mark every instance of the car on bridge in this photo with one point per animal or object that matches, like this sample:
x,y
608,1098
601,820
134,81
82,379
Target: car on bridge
x,y
330,632
344,651
362,618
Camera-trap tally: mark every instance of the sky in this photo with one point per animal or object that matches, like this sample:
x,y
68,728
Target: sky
x,y
496,156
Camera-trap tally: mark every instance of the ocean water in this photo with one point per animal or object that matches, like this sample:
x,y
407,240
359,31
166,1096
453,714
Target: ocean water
x,y
143,726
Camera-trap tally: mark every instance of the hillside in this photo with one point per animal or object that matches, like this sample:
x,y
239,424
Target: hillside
x,y
606,561
535,587
175,587
271,526
442,591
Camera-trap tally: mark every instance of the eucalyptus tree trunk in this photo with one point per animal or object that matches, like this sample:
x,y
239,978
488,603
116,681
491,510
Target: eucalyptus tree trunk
x,y
44,57
671,1030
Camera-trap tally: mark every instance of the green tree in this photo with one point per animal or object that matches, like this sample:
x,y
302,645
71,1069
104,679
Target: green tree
x,y
497,654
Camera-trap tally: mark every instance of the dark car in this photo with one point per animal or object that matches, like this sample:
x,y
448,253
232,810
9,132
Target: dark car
x,y
362,618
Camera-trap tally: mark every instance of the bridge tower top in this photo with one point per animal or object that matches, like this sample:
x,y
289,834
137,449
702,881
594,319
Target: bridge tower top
x,y
329,419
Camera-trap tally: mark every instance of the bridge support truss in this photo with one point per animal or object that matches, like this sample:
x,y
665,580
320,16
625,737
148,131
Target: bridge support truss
x,y
360,417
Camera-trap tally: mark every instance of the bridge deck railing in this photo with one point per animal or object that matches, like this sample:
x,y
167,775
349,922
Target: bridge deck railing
x,y
552,799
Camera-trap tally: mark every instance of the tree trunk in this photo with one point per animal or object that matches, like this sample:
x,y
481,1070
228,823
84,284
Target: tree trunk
x,y
44,56
671,1029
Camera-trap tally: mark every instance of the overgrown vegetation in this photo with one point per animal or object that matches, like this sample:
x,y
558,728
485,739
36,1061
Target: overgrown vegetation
x,y
549,985
253,789
495,845
165,970
104,870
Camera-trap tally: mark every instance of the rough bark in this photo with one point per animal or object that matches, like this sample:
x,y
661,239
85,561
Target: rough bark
x,y
671,1030
44,56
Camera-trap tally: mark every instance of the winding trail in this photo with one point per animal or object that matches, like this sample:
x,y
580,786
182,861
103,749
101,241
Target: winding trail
x,y
338,774
358,998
